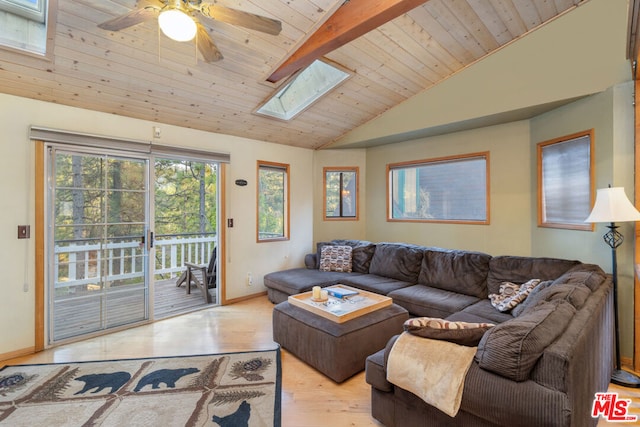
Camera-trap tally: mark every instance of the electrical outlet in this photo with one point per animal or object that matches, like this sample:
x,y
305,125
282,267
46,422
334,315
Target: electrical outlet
x,y
249,279
25,287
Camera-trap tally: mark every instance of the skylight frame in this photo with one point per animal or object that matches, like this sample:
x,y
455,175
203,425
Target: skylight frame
x,y
279,112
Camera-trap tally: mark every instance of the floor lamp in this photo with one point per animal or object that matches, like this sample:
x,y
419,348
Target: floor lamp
x,y
612,205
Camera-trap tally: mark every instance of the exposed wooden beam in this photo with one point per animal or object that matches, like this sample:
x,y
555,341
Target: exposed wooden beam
x,y
353,19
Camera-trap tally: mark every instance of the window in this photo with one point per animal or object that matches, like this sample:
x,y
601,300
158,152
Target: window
x,y
565,181
273,201
451,189
24,25
303,90
341,193
30,9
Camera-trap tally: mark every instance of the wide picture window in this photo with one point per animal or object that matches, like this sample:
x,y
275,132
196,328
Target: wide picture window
x,y
451,189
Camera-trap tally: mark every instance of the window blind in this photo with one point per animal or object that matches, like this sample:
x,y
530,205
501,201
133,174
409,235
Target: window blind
x,y
130,145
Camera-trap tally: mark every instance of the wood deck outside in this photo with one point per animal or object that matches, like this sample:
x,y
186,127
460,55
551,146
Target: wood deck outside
x,y
79,315
170,300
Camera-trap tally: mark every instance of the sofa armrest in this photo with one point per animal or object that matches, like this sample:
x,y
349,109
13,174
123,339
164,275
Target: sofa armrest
x,y
310,261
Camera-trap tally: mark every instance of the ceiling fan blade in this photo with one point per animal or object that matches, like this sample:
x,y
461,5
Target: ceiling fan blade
x,y
130,19
243,19
206,46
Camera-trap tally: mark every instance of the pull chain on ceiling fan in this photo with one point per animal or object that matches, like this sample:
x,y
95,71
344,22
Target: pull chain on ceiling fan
x,y
177,20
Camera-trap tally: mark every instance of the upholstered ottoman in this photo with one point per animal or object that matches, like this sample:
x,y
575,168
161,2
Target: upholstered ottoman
x,y
338,350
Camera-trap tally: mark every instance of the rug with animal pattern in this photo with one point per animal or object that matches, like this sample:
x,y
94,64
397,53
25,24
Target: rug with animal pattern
x,y
230,389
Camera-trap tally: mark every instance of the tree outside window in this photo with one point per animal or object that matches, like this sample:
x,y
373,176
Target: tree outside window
x,y
273,201
340,193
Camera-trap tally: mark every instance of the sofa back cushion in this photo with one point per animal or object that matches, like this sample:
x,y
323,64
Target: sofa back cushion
x,y
456,271
575,294
590,275
511,349
519,270
397,261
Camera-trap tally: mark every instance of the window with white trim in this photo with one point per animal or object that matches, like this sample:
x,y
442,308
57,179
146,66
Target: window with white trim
x,y
450,189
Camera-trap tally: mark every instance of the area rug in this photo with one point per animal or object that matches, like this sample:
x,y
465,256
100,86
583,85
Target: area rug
x,y
230,389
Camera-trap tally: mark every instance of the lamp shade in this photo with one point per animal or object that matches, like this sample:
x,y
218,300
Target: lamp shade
x,y
612,205
177,25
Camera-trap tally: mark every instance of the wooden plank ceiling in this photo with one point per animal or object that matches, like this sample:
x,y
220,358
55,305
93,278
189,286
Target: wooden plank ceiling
x,y
136,73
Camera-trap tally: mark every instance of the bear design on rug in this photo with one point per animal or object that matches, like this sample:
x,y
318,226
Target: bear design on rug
x,y
240,418
166,376
113,380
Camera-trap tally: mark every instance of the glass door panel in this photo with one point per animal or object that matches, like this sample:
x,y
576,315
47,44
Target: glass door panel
x,y
99,276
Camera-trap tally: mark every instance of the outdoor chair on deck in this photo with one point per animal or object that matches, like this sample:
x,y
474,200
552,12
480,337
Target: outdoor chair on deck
x,y
201,275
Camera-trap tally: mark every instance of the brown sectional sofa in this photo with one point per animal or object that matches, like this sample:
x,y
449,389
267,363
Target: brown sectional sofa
x,y
539,366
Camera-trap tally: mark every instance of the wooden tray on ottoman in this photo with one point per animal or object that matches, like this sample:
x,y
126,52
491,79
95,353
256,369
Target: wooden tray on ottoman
x,y
340,310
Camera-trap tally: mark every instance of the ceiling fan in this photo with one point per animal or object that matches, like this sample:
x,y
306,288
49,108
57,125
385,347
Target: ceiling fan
x,y
178,19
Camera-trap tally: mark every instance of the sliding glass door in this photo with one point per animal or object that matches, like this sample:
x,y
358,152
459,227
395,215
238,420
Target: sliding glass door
x,y
121,229
97,242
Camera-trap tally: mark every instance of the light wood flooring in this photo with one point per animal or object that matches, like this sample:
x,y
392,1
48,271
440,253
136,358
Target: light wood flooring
x,y
309,399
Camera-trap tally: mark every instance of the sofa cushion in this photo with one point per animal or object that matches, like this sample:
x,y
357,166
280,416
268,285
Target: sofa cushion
x,y
462,333
397,261
374,283
457,271
574,294
297,280
517,269
511,349
511,295
484,310
361,258
589,274
532,299
336,258
420,300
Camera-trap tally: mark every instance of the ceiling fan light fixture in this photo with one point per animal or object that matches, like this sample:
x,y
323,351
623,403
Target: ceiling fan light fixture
x,y
177,25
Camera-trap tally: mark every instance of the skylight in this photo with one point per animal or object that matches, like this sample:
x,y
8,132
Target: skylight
x,y
305,89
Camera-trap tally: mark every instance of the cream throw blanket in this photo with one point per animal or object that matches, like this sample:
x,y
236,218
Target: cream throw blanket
x,y
433,370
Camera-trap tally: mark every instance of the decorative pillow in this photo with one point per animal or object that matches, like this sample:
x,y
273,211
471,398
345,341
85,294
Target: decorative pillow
x,y
511,294
336,258
512,348
319,247
463,333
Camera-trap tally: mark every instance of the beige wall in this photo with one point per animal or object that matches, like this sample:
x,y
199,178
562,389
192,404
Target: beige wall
x,y
243,253
510,181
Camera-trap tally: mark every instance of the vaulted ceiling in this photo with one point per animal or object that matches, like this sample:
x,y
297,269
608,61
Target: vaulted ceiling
x,y
137,73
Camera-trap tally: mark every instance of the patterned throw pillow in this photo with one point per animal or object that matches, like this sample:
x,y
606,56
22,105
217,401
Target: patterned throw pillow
x,y
463,333
336,258
511,294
